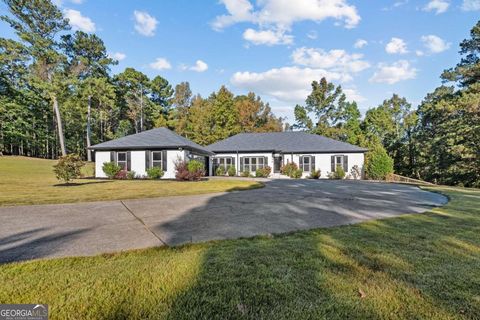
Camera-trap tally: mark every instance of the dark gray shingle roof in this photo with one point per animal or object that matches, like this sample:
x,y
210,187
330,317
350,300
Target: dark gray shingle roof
x,y
151,139
291,141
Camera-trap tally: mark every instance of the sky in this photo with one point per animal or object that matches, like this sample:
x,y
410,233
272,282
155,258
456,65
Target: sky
x,y
276,48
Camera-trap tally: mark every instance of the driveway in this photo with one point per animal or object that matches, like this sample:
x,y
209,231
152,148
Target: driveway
x,y
45,231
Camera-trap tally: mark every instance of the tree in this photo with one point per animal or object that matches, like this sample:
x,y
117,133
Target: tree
x,y
68,167
88,59
254,115
378,164
224,114
37,23
182,100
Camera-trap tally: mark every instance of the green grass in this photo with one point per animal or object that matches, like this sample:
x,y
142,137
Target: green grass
x,y
25,181
420,266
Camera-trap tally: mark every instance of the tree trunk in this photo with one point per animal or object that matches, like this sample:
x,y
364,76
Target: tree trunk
x,y
89,132
61,137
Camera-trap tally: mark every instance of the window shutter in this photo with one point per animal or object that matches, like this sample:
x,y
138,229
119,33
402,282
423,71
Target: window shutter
x,y
164,160
333,163
147,159
241,164
345,163
112,156
313,163
301,163
265,162
129,161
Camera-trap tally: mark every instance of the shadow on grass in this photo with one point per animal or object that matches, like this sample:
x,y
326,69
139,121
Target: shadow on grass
x,y
78,184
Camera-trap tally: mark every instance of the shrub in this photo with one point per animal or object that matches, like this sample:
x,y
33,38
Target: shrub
x,y
231,171
355,172
263,172
339,173
289,169
297,174
68,167
246,173
131,175
220,171
378,164
111,169
189,171
155,173
121,175
315,174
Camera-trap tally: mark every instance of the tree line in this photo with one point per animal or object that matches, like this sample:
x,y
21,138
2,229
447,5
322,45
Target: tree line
x,y
57,95
439,141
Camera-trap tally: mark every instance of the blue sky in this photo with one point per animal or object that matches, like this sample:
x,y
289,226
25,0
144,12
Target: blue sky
x,y
277,47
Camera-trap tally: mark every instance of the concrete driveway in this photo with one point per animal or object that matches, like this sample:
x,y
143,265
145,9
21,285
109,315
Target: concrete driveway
x,y
30,232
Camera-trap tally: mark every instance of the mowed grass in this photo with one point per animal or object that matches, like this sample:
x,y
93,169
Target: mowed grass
x,y
25,181
420,266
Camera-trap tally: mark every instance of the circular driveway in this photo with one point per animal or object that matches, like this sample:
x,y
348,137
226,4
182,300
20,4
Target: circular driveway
x,y
283,205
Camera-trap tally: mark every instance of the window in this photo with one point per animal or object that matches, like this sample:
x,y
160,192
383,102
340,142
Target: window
x,y
157,160
122,160
338,162
253,163
224,162
307,163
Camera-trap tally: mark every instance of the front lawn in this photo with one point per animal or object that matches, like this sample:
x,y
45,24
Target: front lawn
x,y
419,266
25,181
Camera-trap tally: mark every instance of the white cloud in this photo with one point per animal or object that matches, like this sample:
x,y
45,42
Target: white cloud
x,y
396,46
419,53
79,22
119,56
353,95
471,5
145,24
77,1
290,84
435,44
200,66
276,17
268,37
161,64
360,43
335,60
393,73
439,6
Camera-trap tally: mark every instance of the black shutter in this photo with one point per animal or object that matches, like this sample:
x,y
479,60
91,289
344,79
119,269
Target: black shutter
x,y
112,156
345,164
313,163
147,159
301,163
241,164
129,160
265,162
164,160
333,163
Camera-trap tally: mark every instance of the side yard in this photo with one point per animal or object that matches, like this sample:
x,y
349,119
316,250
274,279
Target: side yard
x,y
25,181
414,266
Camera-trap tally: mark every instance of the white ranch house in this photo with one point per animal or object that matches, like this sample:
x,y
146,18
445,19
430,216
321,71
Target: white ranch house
x,y
246,152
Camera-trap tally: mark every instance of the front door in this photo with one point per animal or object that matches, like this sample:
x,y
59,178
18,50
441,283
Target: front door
x,y
277,164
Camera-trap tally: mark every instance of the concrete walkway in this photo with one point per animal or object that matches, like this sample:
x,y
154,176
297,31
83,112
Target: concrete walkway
x,y
30,232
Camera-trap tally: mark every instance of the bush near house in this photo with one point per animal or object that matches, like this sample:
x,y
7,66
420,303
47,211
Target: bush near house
x,y
291,169
263,172
192,170
378,164
131,175
220,171
121,175
355,173
315,174
155,173
68,167
111,169
246,173
231,171
339,173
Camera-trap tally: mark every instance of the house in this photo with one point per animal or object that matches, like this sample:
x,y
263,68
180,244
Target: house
x,y
158,147
250,151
